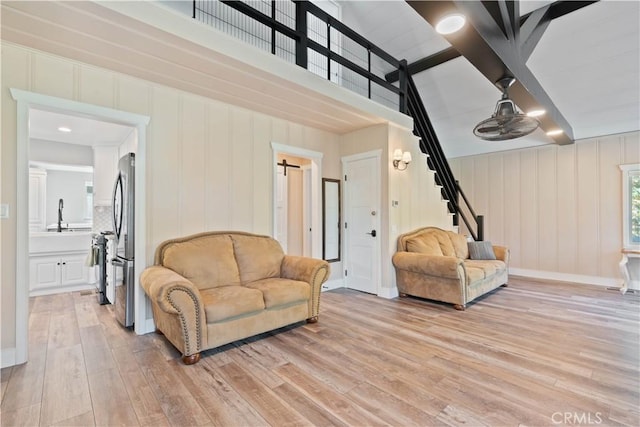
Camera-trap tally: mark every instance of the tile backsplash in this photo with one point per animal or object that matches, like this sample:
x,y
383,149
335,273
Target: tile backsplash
x,y
102,219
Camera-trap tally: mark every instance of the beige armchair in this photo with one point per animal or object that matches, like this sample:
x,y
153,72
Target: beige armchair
x,y
214,288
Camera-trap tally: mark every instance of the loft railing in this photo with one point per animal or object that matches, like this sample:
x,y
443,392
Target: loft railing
x,y
302,33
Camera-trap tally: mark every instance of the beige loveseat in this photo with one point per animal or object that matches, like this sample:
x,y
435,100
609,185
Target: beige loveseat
x,y
433,263
214,288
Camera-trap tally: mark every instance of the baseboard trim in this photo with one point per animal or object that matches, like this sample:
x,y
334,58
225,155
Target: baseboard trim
x,y
7,357
332,284
388,293
566,277
149,326
61,289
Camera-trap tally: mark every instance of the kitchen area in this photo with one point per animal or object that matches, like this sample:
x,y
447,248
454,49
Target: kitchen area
x,y
80,185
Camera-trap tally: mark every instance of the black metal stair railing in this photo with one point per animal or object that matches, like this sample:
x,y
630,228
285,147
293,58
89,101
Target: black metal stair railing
x,y
437,162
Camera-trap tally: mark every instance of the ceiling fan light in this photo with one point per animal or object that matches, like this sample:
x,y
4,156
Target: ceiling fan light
x,y
536,113
555,132
450,24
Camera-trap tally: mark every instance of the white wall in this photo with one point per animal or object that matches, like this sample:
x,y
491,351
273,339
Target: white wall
x,y
558,208
60,153
69,186
208,163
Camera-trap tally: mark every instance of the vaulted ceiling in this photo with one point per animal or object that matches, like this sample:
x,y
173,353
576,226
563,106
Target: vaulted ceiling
x,y
587,62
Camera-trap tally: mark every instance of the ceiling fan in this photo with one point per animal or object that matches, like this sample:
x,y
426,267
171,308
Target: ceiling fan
x,y
506,122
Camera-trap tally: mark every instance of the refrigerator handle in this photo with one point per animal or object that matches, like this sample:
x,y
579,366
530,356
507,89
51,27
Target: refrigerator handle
x,y
117,216
118,262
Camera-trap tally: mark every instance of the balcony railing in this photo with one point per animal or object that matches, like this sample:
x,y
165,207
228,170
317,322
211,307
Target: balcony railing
x,y
302,33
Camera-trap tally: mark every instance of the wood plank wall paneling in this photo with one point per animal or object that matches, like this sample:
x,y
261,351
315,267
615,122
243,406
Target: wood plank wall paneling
x,y
163,159
547,210
495,217
610,213
217,171
558,208
567,209
512,205
193,158
96,86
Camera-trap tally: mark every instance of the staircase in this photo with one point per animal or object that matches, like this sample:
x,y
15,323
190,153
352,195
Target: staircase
x,y
450,190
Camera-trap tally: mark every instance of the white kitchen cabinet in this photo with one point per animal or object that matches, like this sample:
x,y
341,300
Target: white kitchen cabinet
x,y
60,272
37,199
105,169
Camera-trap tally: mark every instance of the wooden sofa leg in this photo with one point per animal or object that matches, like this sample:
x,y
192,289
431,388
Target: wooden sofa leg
x,y
313,319
459,307
191,360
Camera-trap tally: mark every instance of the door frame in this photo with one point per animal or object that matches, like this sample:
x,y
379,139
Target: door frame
x,y
377,265
316,184
26,100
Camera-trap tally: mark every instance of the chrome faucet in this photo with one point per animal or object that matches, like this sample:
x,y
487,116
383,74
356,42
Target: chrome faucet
x,y
60,206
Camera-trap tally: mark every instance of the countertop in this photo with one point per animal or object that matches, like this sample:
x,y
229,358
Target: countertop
x,y
66,241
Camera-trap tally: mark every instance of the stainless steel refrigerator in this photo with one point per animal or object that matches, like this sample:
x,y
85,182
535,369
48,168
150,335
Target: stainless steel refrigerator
x,y
123,227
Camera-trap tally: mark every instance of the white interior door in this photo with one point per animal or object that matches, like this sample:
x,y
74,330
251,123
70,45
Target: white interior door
x,y
362,216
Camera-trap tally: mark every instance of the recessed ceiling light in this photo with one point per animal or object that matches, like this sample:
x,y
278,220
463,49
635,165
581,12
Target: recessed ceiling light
x,y
536,113
554,132
64,129
450,23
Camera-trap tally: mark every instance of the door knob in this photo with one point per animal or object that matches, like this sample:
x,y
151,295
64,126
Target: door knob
x,y
373,233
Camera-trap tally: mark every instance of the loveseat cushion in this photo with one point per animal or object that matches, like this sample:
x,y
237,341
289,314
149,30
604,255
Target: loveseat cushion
x,y
473,274
258,257
281,292
459,242
489,267
226,302
424,244
206,261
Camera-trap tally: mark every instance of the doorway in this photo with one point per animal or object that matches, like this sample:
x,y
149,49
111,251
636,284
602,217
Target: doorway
x,y
293,205
297,212
362,221
29,100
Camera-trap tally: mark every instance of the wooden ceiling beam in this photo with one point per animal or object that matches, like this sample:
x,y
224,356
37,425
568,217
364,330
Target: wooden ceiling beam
x,y
490,42
555,10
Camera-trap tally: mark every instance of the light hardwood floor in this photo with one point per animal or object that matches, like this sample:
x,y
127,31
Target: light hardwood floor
x,y
532,354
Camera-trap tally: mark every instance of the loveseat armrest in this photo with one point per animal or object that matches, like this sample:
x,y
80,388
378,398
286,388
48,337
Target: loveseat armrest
x,y
311,270
178,309
502,253
432,265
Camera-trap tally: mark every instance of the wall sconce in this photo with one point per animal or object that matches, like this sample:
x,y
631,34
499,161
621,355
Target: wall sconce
x,y
400,158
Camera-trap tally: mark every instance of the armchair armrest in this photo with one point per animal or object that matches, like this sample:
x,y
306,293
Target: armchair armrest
x,y
431,265
176,296
502,253
311,270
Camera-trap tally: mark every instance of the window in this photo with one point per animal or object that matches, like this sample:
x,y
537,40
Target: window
x,y
631,206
